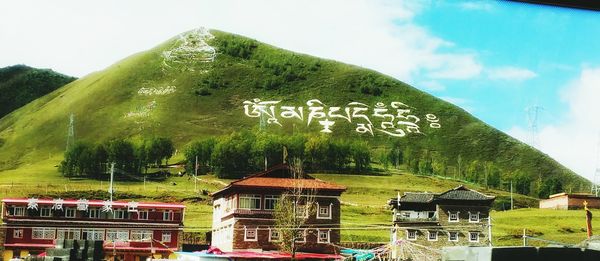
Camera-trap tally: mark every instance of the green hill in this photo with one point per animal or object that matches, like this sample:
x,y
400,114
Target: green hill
x,y
195,85
21,84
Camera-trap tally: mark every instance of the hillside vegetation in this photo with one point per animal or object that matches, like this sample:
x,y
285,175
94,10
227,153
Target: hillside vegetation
x,y
20,84
194,86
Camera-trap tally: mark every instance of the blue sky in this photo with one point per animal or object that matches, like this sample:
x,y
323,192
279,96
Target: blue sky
x,y
553,43
492,58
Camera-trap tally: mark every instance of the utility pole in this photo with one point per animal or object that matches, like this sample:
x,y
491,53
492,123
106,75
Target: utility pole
x,y
112,174
532,118
490,228
596,180
511,197
196,175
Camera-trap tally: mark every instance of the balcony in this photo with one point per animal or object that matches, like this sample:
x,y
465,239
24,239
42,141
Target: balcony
x,y
415,220
241,211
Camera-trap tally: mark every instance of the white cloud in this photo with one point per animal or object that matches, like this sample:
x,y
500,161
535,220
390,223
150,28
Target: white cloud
x,y
573,139
476,5
78,37
431,86
510,73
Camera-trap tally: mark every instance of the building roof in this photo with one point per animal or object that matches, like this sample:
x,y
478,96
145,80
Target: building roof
x,y
94,203
459,193
574,195
463,193
281,177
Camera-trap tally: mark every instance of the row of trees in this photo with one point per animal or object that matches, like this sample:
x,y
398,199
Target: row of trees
x,y
240,152
485,173
91,160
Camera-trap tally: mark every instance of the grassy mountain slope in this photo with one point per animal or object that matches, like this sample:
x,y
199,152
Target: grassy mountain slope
x,y
21,84
178,90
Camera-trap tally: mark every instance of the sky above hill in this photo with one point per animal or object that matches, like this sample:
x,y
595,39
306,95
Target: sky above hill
x,y
494,59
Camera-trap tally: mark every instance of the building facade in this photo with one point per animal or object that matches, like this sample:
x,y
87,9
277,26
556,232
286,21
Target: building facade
x,y
570,201
243,212
130,230
457,217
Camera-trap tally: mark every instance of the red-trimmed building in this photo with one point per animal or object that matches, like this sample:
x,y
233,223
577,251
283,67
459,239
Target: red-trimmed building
x,y
243,212
130,230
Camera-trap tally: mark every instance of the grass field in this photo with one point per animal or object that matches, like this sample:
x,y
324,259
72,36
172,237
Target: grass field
x,y
365,216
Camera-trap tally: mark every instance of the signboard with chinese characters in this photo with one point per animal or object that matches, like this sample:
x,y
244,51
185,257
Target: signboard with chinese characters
x,y
394,119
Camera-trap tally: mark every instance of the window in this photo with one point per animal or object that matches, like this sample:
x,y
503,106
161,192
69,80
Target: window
x,y
141,235
45,212
143,215
119,214
16,211
70,212
18,233
411,234
302,239
453,216
473,236
324,212
453,236
432,235
301,211
117,235
73,234
274,235
93,234
168,215
248,201
250,234
271,201
166,237
405,214
323,236
43,233
94,213
473,217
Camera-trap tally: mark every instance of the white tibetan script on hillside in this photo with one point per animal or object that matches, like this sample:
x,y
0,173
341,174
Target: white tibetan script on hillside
x,y
394,119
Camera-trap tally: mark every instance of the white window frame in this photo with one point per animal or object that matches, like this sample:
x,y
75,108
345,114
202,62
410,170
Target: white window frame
x,y
49,209
476,215
476,235
271,238
413,238
140,212
272,198
18,233
71,211
117,235
68,233
248,201
328,212
46,233
18,211
165,237
303,237
450,233
168,215
430,233
93,212
302,211
323,232
93,234
141,235
251,230
119,213
450,213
